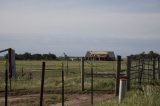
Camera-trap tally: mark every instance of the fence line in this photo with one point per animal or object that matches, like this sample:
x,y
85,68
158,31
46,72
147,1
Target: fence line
x,y
142,71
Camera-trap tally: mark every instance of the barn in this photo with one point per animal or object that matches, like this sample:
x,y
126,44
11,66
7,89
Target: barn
x,y
100,55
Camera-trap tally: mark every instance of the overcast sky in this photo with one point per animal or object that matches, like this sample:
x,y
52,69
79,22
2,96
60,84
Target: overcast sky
x,y
76,26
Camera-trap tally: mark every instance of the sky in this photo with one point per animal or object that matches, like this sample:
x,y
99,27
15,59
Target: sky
x,y
76,26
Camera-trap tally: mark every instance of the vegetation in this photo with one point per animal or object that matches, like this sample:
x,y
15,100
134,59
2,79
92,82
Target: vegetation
x,y
149,97
29,77
29,56
151,54
29,73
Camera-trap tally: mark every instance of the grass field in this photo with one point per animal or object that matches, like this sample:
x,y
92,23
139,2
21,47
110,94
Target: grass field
x,y
25,89
29,78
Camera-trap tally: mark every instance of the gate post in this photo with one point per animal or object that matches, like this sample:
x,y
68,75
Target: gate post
x,y
10,67
6,86
117,75
128,72
42,83
82,73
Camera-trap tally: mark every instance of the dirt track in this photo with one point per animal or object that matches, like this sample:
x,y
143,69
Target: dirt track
x,y
72,99
18,98
84,99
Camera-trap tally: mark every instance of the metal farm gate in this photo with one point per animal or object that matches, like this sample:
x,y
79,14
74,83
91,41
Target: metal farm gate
x,y
143,71
101,72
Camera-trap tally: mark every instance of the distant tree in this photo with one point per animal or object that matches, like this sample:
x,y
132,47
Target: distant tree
x,y
29,56
151,54
49,56
19,57
45,56
142,55
37,57
26,56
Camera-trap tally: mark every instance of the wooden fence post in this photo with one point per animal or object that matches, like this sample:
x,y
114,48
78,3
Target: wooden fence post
x,y
22,72
159,68
92,84
10,68
82,73
62,85
154,73
128,72
67,68
117,75
42,84
9,60
6,87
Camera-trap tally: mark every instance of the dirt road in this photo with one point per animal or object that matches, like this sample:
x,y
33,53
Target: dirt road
x,y
84,99
72,99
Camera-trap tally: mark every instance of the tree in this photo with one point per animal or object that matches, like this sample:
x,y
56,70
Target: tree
x,y
152,54
29,56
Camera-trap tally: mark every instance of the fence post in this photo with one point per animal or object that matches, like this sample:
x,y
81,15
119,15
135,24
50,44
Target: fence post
x,y
10,68
128,72
117,75
154,73
122,89
6,87
62,85
67,68
42,84
92,85
159,68
9,60
140,66
22,71
82,73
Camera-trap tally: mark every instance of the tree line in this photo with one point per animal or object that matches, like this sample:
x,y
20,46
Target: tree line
x,y
150,54
29,56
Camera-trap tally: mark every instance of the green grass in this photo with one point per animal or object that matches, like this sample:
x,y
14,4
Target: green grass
x,y
150,97
29,81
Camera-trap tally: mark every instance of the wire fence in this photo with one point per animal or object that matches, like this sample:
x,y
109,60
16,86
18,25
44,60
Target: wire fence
x,y
144,71
29,76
